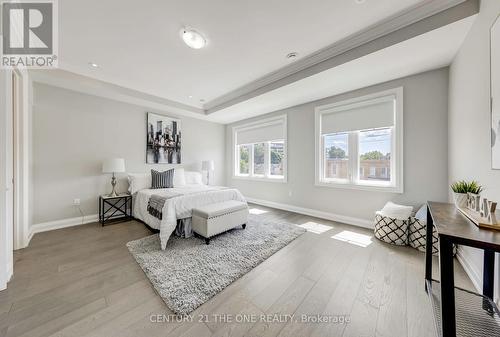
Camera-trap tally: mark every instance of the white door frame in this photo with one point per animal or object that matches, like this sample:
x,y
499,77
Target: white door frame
x,y
22,160
6,234
14,164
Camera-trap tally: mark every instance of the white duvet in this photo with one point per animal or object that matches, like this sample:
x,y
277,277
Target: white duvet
x,y
180,207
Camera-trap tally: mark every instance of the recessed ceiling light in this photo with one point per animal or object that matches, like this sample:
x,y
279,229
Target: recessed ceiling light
x,y
193,38
292,55
359,2
190,96
93,65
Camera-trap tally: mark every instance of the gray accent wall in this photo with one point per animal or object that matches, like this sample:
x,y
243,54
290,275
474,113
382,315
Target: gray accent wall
x,y
74,132
470,121
425,153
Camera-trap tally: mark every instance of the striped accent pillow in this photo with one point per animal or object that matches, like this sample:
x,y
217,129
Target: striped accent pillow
x,y
162,179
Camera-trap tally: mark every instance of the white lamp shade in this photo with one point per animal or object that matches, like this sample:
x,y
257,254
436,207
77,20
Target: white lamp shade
x,y
113,165
207,165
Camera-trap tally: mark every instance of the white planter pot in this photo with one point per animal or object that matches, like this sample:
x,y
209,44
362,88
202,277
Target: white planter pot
x,y
460,199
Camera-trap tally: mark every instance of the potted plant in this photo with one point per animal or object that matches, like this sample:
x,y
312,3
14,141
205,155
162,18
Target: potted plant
x,y
460,190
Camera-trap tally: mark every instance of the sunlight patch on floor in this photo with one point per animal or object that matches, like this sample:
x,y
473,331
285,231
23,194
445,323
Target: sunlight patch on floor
x,y
315,228
357,239
257,211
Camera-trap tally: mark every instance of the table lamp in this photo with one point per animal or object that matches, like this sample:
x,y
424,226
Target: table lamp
x,y
208,165
113,165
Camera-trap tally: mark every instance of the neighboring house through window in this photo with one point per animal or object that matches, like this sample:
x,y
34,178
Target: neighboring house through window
x,y
359,143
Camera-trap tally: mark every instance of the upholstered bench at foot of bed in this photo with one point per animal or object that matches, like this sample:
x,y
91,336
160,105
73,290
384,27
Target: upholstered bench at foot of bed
x,y
213,219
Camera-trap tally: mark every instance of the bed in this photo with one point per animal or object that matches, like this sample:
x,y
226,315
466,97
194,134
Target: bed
x,y
188,192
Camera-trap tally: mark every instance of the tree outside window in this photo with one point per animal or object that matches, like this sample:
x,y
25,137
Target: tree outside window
x,y
244,159
259,158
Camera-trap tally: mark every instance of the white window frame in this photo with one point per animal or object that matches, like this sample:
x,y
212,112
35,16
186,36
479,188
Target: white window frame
x,y
353,182
267,176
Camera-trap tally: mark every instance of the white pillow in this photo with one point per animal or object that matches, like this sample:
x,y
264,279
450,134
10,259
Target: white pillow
x,y
193,178
422,214
396,211
138,181
179,177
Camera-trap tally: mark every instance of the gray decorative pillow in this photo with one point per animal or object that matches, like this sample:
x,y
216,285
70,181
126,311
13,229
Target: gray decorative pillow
x,y
162,179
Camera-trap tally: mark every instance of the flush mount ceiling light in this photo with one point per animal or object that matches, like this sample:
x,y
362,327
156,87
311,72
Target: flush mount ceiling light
x,y
93,65
193,38
359,2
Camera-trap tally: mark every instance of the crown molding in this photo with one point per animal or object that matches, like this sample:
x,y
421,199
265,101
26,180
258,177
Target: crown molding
x,y
73,81
415,21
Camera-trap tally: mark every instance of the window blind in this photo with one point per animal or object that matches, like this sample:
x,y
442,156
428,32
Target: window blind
x,y
359,116
261,133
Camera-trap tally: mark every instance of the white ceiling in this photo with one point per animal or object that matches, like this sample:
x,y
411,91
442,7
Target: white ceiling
x,y
432,50
137,43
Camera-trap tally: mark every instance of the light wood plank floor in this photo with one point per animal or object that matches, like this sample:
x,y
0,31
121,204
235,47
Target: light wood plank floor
x,y
82,281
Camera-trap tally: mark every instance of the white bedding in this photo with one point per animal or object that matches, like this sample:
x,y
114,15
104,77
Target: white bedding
x,y
180,207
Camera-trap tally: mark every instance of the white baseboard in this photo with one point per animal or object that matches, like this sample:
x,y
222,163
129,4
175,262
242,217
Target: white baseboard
x,y
10,270
315,213
63,223
4,279
470,269
475,274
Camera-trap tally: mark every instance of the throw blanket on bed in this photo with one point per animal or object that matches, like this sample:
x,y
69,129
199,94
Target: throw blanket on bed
x,y
156,203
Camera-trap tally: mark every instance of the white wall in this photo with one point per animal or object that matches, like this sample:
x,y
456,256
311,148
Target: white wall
x,y
425,153
469,119
74,132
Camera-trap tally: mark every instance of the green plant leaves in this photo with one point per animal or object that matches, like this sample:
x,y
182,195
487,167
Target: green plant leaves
x,y
466,187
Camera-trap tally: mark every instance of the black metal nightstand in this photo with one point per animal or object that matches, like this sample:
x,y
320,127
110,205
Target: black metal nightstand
x,y
115,209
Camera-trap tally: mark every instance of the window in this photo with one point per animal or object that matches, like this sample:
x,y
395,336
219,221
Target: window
x,y
385,173
359,143
372,173
258,159
336,154
244,159
375,153
276,158
260,150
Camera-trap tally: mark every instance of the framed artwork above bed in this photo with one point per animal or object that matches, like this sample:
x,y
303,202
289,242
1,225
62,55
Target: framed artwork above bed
x,y
163,139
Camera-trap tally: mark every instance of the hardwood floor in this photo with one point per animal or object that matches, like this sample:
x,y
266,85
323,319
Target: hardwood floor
x,y
82,281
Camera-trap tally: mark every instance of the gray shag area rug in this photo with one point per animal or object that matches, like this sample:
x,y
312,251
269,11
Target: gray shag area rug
x,y
188,272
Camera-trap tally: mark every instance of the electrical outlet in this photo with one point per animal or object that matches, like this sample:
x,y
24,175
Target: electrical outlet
x,y
76,202
290,193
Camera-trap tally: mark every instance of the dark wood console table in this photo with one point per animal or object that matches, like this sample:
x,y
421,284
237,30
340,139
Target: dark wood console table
x,y
459,312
